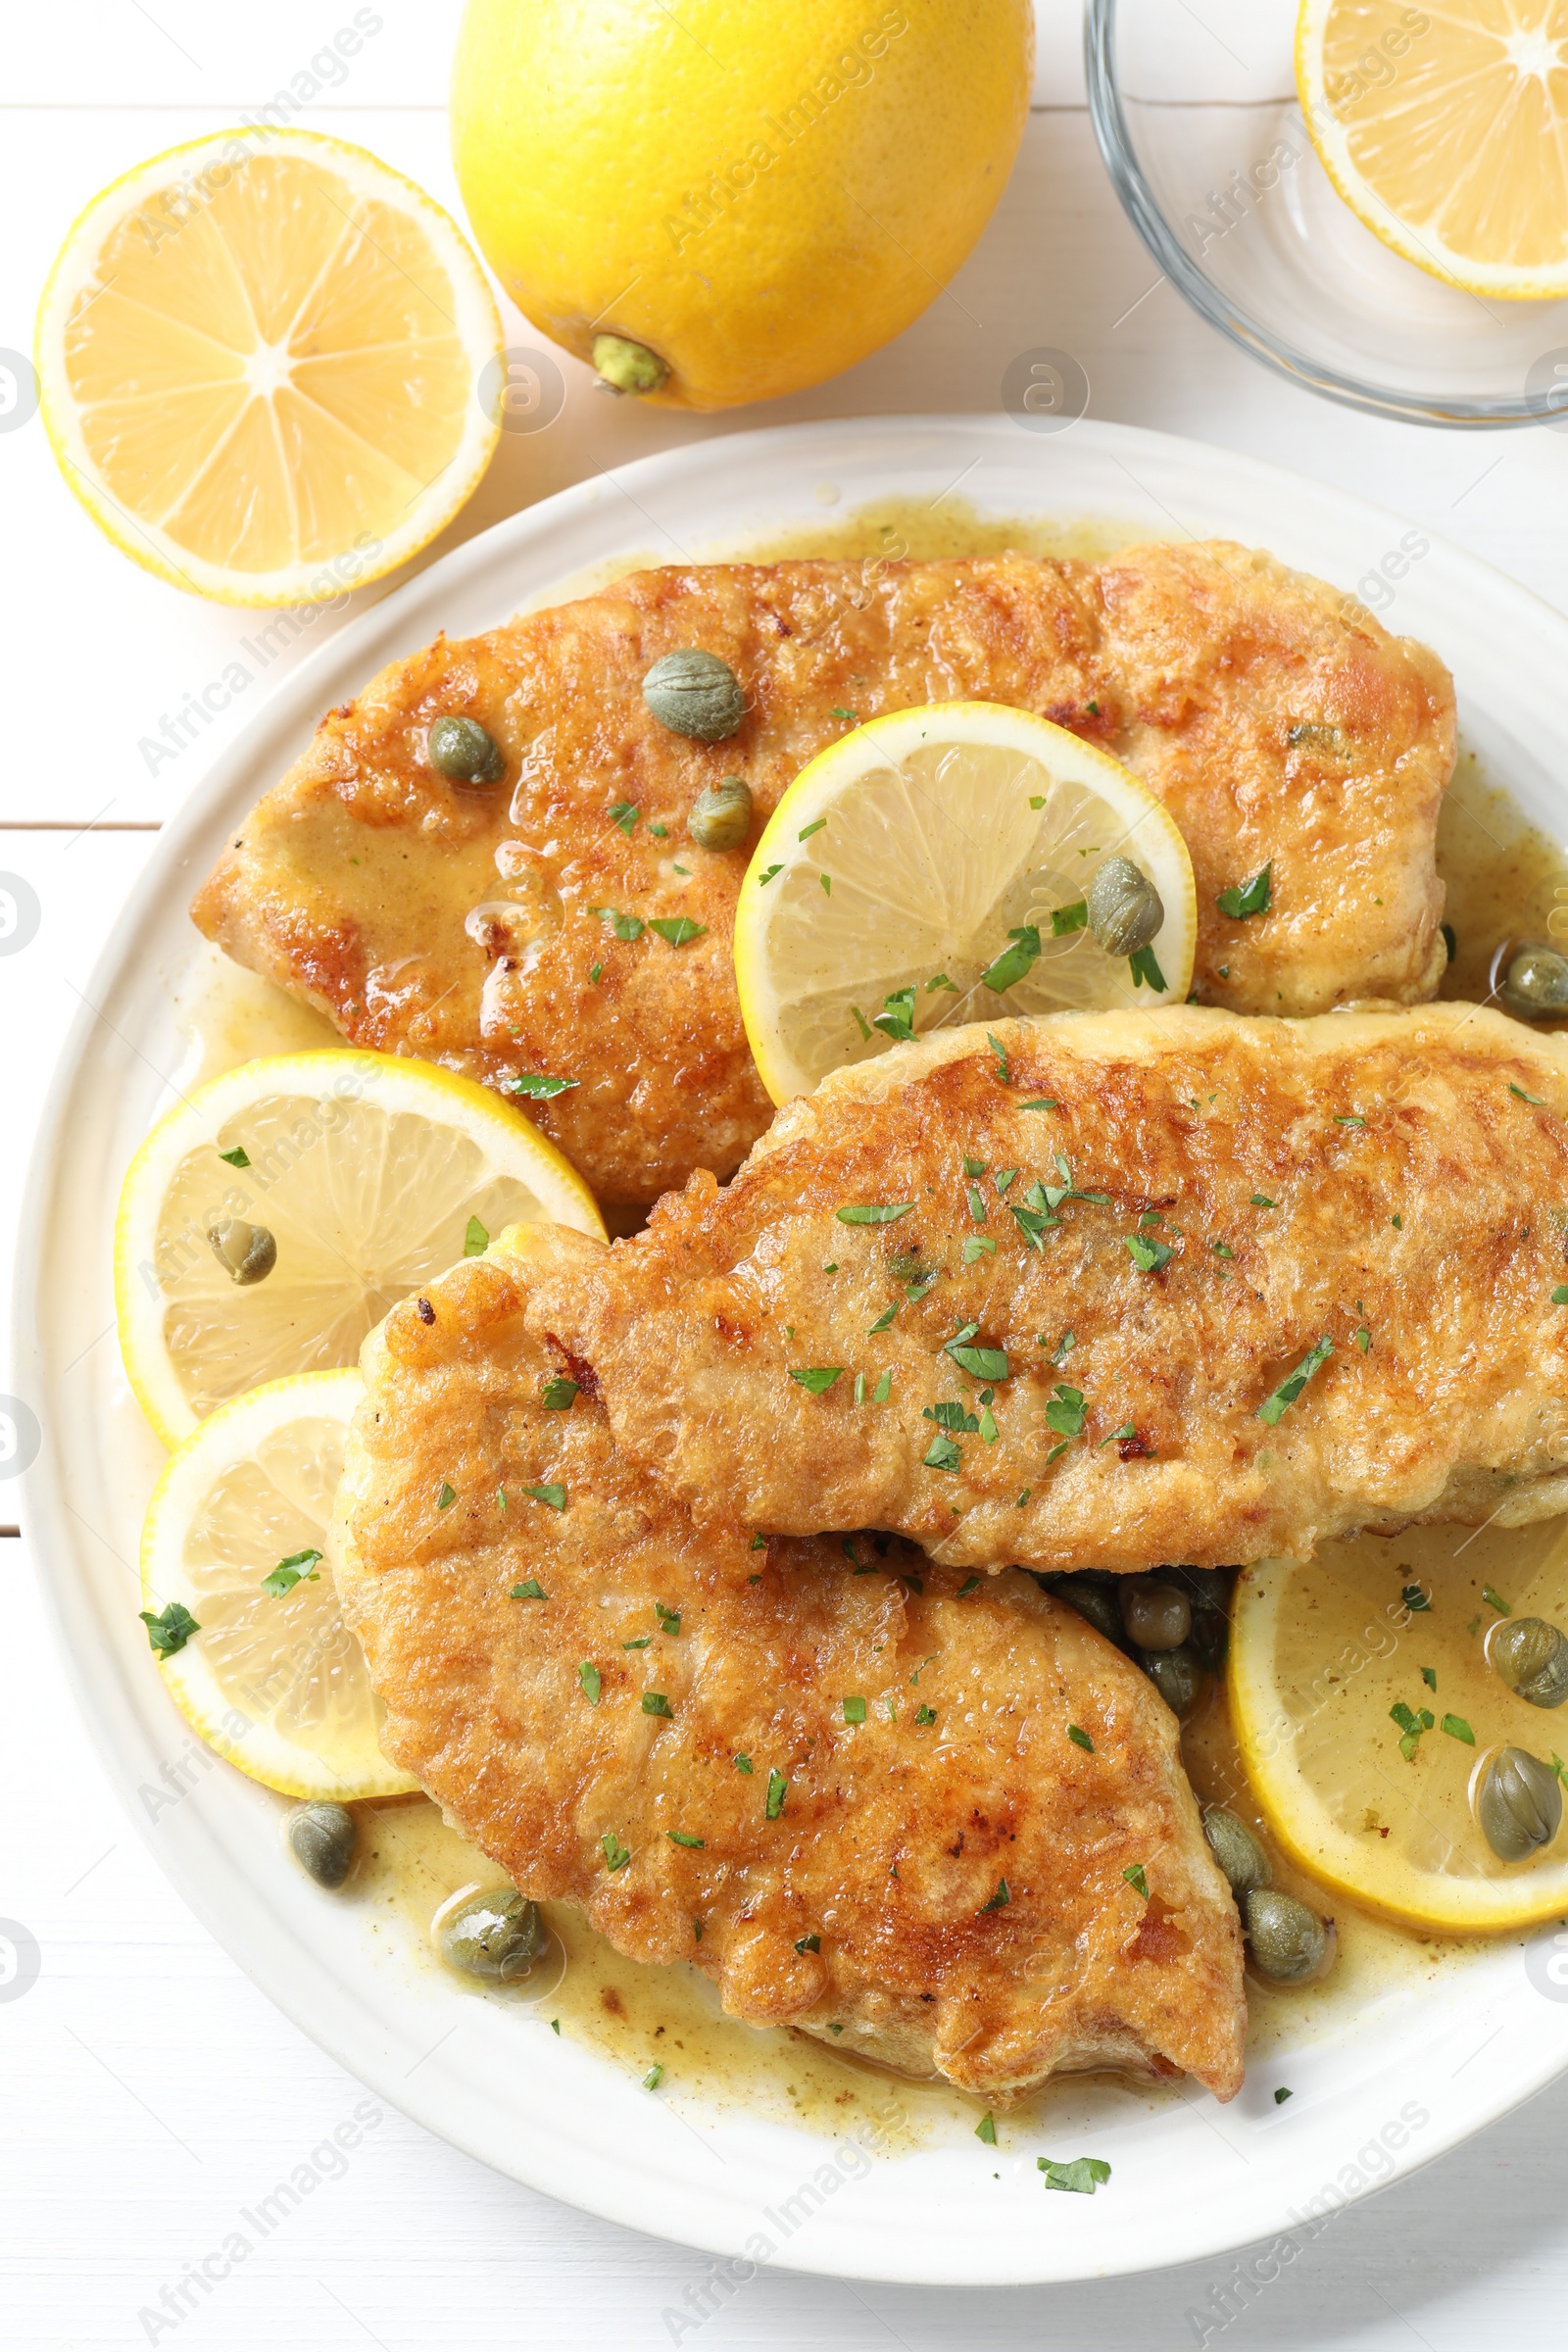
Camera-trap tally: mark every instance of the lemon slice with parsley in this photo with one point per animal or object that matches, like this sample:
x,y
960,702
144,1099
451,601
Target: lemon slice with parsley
x,y
335,1183
238,1600
1447,132
933,868
1364,1704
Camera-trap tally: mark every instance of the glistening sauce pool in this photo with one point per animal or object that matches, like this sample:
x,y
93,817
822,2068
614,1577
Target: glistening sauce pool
x,y
1504,879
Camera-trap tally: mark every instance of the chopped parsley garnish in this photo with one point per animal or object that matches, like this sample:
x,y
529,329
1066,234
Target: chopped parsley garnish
x,y
639,1642
668,1619
874,1212
854,717
897,1016
1273,1408
1348,1118
652,2079
1411,1725
942,1455
1004,1070
659,832
1538,1100
475,1240
806,831
1063,1347
1262,1200
1280,2095
862,1025
1031,1222
1363,1337
594,972
1559,1296
826,881
169,1631
986,2130
855,1709
447,1496
624,813
682,1838
1428,1675
529,1590
1066,1411
743,1763
1146,971
883,1389
941,980
287,1574
1147,1255
1135,1877
1041,1102
1222,1249
677,929
557,1394
1003,1178
554,1498
1013,962
817,1379
589,1676
882,1321
1397,1223
1080,1739
625,926
1495,1600
924,1714
1000,1900
239,1157
1083,2176
763,879
1127,1430
971,1584
1249,898
1024,1494
952,1416
1069,918
975,1200
986,1363
537,1088
758,1543
808,1943
656,1704
1458,1729
977,1246
1414,1598
777,1787
974,1167
616,1855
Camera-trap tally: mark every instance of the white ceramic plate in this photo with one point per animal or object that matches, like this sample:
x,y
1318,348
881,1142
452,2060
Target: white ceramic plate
x,y
1376,2096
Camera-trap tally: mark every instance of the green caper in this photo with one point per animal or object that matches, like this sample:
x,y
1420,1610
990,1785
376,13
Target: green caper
x,y
1209,1588
1532,1657
496,1934
1209,1640
721,815
623,366
322,1838
693,693
1289,1942
1125,910
1094,1600
248,1253
1157,1616
1237,1851
1175,1674
466,752
1536,983
1518,1804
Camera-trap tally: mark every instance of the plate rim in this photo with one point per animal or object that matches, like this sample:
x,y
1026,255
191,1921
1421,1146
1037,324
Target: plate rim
x,y
299,1980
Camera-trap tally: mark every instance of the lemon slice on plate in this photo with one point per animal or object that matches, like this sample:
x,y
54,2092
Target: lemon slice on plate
x,y
239,1598
259,362
1364,1704
1447,132
946,851
361,1174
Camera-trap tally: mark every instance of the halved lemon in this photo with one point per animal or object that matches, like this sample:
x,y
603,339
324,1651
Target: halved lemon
x,y
1447,131
1364,1706
945,850
260,360
364,1173
234,1540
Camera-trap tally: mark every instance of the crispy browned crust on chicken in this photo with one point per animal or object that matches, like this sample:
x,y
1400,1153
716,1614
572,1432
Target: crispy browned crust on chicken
x,y
960,1858
1276,718
1394,1184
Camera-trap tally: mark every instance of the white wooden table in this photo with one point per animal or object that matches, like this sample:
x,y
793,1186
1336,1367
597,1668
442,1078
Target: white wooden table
x,y
148,2094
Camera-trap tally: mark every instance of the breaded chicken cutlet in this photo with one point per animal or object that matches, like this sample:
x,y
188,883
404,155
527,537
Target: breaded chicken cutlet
x,y
838,1784
504,931
1104,1290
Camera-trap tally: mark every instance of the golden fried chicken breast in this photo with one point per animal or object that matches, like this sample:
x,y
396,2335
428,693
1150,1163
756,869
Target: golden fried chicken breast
x,y
1139,1287
505,930
838,1782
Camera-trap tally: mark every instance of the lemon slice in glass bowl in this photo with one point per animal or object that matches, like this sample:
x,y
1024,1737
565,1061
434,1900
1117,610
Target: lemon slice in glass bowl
x,y
238,1600
335,1184
933,868
1447,133
260,360
1366,1705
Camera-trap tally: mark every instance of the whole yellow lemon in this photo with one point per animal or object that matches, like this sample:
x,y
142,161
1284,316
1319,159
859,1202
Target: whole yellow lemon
x,y
718,201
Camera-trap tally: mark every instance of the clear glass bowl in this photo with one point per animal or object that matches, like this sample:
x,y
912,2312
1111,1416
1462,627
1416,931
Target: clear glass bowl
x,y
1198,120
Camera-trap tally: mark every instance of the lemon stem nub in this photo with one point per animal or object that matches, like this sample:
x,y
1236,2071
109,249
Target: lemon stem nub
x,y
627,366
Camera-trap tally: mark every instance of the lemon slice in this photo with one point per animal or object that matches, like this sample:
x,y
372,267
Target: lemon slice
x,y
1322,1652
1447,132
371,1174
272,1679
258,359
907,854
